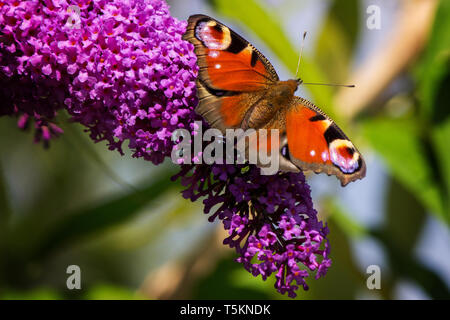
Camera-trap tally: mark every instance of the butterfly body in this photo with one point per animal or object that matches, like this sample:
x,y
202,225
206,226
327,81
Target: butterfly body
x,y
239,88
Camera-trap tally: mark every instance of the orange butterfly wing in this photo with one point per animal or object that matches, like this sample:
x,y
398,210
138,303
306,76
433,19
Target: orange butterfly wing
x,y
316,143
233,74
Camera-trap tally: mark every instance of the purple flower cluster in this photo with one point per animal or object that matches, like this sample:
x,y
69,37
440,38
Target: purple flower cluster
x,y
120,68
25,90
270,220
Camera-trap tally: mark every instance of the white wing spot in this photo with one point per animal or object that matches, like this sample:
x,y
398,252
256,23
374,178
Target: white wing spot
x,y
214,54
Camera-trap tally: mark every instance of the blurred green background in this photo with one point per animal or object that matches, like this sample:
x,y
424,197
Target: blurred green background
x,y
134,237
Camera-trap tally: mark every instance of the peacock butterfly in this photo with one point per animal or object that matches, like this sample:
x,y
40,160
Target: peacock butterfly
x,y
237,87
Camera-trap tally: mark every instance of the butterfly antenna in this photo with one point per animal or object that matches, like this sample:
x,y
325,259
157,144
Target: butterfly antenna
x,y
301,52
330,84
312,83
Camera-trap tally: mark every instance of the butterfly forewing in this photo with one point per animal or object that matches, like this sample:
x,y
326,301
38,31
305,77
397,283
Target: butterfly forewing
x,y
226,60
232,73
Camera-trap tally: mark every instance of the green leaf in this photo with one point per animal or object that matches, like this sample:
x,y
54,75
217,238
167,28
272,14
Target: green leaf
x,y
5,210
405,218
332,51
78,140
112,292
346,14
220,283
435,64
341,218
433,76
176,213
33,294
401,147
336,40
91,221
441,138
266,26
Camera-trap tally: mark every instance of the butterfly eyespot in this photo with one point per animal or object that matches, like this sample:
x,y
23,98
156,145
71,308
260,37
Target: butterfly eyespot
x,y
215,26
350,151
344,156
212,35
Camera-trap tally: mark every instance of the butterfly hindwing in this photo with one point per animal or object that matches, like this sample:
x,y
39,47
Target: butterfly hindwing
x,y
232,73
316,143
